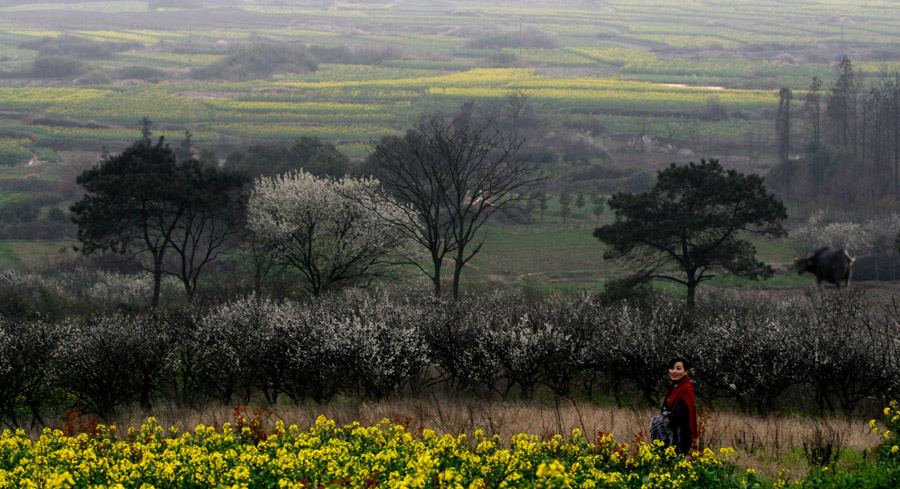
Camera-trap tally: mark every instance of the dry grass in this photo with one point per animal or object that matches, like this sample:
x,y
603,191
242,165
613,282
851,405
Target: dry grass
x,y
768,444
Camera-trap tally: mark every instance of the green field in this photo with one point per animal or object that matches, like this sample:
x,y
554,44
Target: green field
x,y
609,72
572,259
613,60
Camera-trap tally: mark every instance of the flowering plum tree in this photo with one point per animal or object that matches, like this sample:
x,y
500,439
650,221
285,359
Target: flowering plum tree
x,y
315,226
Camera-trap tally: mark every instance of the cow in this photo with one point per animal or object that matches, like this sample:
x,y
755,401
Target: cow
x,y
832,266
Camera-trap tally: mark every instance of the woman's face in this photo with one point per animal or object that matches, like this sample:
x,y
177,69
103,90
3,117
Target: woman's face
x,y
677,372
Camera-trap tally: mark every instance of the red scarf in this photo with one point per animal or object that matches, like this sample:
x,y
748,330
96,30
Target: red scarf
x,y
684,391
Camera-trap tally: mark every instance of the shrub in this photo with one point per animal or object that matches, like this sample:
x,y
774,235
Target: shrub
x,y
56,214
19,211
754,351
505,59
363,55
78,47
58,67
882,472
26,351
748,353
94,77
190,356
566,329
822,447
13,151
226,363
715,110
105,290
256,344
387,343
636,341
111,361
259,61
459,342
137,72
849,352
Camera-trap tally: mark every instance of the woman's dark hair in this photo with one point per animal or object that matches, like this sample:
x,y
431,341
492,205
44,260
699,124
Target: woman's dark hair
x,y
675,360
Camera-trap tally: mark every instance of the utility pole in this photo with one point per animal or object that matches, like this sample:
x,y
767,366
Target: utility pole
x,y
520,38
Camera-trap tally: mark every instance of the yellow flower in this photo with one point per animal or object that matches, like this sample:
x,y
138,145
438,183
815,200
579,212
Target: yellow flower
x,y
60,481
551,469
895,449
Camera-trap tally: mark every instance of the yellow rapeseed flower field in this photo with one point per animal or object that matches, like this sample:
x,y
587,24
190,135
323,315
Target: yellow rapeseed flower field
x,y
248,454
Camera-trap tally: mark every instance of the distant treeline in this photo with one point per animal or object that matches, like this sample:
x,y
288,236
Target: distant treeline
x,y
849,154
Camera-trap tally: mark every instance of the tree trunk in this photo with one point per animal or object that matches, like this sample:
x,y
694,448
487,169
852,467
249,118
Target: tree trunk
x,y
691,293
189,289
157,281
436,278
457,270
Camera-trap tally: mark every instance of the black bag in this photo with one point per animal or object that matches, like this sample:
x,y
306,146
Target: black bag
x,y
660,430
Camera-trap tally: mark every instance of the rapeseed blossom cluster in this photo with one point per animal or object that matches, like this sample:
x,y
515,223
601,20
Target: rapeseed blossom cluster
x,y
327,455
889,447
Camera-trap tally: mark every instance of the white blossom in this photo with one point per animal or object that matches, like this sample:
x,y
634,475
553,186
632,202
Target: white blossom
x,y
323,228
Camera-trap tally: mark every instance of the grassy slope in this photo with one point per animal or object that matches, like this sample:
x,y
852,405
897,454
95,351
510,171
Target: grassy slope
x,y
572,258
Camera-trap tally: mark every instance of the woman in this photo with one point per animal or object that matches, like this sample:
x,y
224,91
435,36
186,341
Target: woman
x,y
677,425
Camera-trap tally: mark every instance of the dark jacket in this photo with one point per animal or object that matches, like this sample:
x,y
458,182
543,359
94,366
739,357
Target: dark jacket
x,y
679,423
682,416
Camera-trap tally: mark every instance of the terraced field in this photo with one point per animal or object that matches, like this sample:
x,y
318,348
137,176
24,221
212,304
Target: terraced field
x,y
644,82
614,60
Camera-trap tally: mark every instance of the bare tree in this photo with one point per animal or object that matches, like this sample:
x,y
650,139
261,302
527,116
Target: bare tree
x,y
261,264
841,110
565,205
408,169
813,108
692,128
541,196
754,142
783,124
882,111
210,224
452,173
